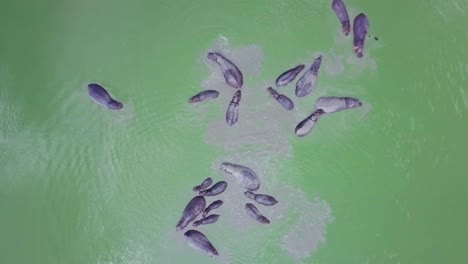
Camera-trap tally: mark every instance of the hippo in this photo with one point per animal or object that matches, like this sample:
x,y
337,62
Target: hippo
x,y
198,241
305,126
231,72
191,211
246,177
100,95
261,198
232,113
360,27
333,104
205,184
340,10
306,83
284,101
203,96
253,212
288,76
218,188
214,205
206,220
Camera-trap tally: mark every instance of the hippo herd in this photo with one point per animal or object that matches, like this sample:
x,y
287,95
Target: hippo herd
x,y
245,176
247,179
304,85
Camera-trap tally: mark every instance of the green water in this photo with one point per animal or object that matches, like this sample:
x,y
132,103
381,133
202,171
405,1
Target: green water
x,y
81,184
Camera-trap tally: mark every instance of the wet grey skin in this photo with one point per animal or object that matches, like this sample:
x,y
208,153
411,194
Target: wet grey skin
x,y
288,76
205,184
232,113
333,104
100,95
206,220
306,83
191,211
231,72
360,28
214,205
199,241
218,188
305,126
255,214
246,177
281,98
261,198
340,10
203,96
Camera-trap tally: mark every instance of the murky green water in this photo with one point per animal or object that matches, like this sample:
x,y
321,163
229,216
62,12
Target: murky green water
x,y
384,183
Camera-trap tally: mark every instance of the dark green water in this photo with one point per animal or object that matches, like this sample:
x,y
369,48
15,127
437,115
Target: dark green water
x,y
384,183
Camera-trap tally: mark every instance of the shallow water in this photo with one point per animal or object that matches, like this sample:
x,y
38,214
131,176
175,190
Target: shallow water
x,y
383,183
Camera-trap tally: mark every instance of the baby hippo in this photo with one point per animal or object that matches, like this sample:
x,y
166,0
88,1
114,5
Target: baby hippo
x,y
281,98
214,205
205,184
253,212
198,241
206,220
102,97
218,188
261,198
288,76
231,72
191,211
203,96
360,27
305,126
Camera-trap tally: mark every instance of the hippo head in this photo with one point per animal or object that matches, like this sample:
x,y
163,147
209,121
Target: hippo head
x,y
212,56
249,194
227,167
194,99
346,28
352,102
115,105
358,46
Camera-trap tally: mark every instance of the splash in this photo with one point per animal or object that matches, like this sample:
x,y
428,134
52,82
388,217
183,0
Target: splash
x,y
309,230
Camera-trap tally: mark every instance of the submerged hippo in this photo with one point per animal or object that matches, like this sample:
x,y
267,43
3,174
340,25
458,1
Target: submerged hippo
x,y
340,10
214,205
305,126
334,104
261,198
231,72
232,113
288,76
199,241
203,96
255,214
218,188
360,27
306,83
102,97
191,211
281,98
206,220
244,176
205,184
